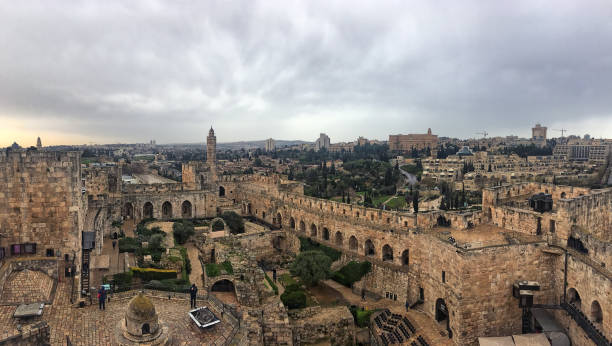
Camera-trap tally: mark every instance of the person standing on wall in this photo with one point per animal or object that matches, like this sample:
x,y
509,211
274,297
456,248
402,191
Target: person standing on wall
x,y
193,292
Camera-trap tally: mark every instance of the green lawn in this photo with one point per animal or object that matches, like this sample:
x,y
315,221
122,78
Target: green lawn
x,y
377,201
397,203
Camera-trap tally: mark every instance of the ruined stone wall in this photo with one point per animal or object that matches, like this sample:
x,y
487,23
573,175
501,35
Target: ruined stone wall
x,y
32,334
41,200
48,266
102,182
494,195
313,325
203,204
486,306
592,284
592,212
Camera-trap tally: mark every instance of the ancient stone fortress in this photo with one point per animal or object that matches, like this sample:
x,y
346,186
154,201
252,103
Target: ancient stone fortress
x,y
458,268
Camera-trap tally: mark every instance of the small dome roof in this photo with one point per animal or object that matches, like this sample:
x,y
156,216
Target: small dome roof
x,y
141,308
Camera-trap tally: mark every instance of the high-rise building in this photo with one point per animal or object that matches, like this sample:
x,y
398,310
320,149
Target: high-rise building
x,y
211,147
322,142
270,145
538,132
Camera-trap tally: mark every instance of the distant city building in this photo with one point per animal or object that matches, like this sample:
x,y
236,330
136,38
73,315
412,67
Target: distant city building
x,y
38,143
538,132
405,143
322,142
582,151
587,137
270,144
465,151
211,147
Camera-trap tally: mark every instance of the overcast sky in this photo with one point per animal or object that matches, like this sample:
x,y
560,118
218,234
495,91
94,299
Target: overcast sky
x,y
129,71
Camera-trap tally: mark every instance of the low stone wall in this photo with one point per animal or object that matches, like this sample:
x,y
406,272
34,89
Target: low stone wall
x,y
34,334
334,324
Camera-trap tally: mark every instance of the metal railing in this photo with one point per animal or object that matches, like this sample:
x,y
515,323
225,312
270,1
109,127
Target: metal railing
x,y
589,328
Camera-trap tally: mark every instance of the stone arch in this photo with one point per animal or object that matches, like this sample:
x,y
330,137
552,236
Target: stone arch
x,y
369,248
225,290
325,233
405,257
292,223
128,210
387,253
166,210
215,221
573,297
147,210
302,227
221,191
186,210
562,195
313,230
353,243
146,329
596,312
339,238
249,208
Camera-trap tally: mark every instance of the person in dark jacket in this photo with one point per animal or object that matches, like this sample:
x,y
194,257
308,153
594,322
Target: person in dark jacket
x,y
193,292
102,298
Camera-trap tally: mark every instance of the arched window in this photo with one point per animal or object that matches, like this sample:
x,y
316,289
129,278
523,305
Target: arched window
x,y
387,253
574,298
596,313
221,191
186,209
338,238
147,210
292,223
405,257
167,210
325,233
353,244
369,248
313,230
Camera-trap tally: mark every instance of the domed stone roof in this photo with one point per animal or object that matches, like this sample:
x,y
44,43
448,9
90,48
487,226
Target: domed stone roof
x,y
141,308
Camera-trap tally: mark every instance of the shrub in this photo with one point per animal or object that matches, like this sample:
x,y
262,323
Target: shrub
x,y
294,300
361,316
352,272
182,230
122,281
212,270
286,280
148,274
171,285
233,221
307,244
227,265
155,241
272,284
128,244
311,266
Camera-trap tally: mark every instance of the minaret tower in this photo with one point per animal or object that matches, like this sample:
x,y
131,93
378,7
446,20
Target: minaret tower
x,y
211,148
38,143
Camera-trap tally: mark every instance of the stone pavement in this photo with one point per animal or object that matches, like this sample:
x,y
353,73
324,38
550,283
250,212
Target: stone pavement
x,y
90,326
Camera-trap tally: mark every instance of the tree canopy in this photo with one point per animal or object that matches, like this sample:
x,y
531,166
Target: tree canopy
x,y
311,266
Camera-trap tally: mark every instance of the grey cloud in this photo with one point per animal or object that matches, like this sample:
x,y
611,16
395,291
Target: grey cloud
x,y
130,71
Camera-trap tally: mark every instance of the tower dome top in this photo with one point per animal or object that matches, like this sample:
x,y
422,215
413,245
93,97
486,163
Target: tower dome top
x,y
211,132
141,308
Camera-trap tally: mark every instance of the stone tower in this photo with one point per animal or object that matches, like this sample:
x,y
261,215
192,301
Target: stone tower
x,y
211,147
38,143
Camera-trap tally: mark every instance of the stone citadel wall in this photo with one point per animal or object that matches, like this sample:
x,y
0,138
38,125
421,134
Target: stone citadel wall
x,y
41,200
